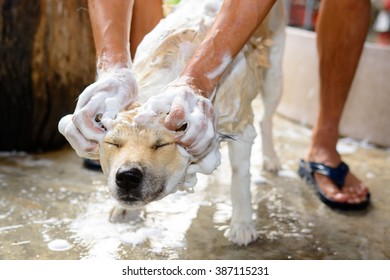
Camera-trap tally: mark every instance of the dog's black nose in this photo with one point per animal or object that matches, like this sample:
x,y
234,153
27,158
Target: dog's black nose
x,y
129,179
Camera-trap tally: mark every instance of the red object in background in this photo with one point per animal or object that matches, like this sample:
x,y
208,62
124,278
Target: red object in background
x,y
383,38
386,5
381,25
297,14
314,18
297,10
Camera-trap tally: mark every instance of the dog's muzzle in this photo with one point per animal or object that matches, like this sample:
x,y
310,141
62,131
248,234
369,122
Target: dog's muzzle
x,y
129,180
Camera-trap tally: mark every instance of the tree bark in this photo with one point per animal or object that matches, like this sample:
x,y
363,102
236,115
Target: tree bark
x,y
47,58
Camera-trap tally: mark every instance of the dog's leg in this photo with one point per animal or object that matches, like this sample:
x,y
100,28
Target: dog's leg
x,y
242,229
272,90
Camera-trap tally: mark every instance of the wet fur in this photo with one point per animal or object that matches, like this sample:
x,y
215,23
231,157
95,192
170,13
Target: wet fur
x,y
151,149
159,60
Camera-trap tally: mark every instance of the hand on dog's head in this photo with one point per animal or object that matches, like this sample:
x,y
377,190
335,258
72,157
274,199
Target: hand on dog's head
x,y
147,155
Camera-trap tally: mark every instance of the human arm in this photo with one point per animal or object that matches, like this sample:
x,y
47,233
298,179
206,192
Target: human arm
x,y
115,87
111,22
232,28
190,94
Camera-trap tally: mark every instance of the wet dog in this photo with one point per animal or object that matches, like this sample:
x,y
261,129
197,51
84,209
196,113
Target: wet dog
x,y
142,161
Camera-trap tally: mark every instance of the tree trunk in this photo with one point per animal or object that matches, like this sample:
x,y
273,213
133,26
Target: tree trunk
x,y
47,58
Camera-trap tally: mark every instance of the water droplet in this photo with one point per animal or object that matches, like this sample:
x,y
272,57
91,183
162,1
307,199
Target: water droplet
x,y
59,245
287,174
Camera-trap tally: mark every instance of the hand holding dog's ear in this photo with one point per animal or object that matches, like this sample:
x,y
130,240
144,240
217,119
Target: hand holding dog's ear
x,y
97,106
190,114
84,148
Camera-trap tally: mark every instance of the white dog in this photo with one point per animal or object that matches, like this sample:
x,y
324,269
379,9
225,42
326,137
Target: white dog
x,y
142,161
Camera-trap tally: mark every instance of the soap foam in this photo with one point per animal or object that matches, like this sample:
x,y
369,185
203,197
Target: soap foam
x,y
59,245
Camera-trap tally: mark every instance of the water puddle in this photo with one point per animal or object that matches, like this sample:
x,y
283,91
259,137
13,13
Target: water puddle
x,y
52,208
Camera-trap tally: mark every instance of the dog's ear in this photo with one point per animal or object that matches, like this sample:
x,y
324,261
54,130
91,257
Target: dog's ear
x,y
204,165
132,106
93,155
211,159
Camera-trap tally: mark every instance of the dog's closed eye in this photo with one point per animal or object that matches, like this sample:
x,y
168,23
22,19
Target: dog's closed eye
x,y
159,145
111,143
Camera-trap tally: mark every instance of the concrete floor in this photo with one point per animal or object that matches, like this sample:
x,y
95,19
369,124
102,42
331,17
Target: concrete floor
x,y
53,208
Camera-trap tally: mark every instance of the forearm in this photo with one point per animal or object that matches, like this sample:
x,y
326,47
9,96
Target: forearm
x,y
233,26
111,21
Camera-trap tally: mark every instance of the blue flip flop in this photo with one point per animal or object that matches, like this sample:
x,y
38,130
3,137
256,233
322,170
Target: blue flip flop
x,y
337,175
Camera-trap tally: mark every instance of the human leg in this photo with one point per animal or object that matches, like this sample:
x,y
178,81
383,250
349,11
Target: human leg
x,y
341,31
146,15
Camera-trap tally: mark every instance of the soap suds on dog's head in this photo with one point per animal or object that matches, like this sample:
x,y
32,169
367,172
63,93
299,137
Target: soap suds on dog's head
x,y
164,166
186,178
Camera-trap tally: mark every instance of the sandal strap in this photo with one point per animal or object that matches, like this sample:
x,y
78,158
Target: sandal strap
x,y
337,175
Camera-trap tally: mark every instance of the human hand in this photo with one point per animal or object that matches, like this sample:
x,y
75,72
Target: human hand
x,y
97,106
190,114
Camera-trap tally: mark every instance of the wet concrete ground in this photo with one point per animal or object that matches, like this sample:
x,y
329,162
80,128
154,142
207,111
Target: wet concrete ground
x,y
53,208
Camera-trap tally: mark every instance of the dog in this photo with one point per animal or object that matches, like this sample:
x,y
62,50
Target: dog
x,y
143,163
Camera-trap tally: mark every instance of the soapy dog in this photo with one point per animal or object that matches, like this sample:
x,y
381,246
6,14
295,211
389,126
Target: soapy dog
x,y
140,156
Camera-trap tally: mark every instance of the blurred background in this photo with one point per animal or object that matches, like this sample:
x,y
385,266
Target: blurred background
x,y
366,113
46,59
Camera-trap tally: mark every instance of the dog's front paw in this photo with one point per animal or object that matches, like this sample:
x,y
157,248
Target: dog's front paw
x,y
241,233
271,164
120,214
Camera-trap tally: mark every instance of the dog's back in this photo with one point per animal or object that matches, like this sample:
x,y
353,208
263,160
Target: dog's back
x,y
164,53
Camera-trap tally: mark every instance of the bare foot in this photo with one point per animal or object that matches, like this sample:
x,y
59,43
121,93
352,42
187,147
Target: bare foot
x,y
354,190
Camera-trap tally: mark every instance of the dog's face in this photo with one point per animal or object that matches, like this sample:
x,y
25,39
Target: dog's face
x,y
143,162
